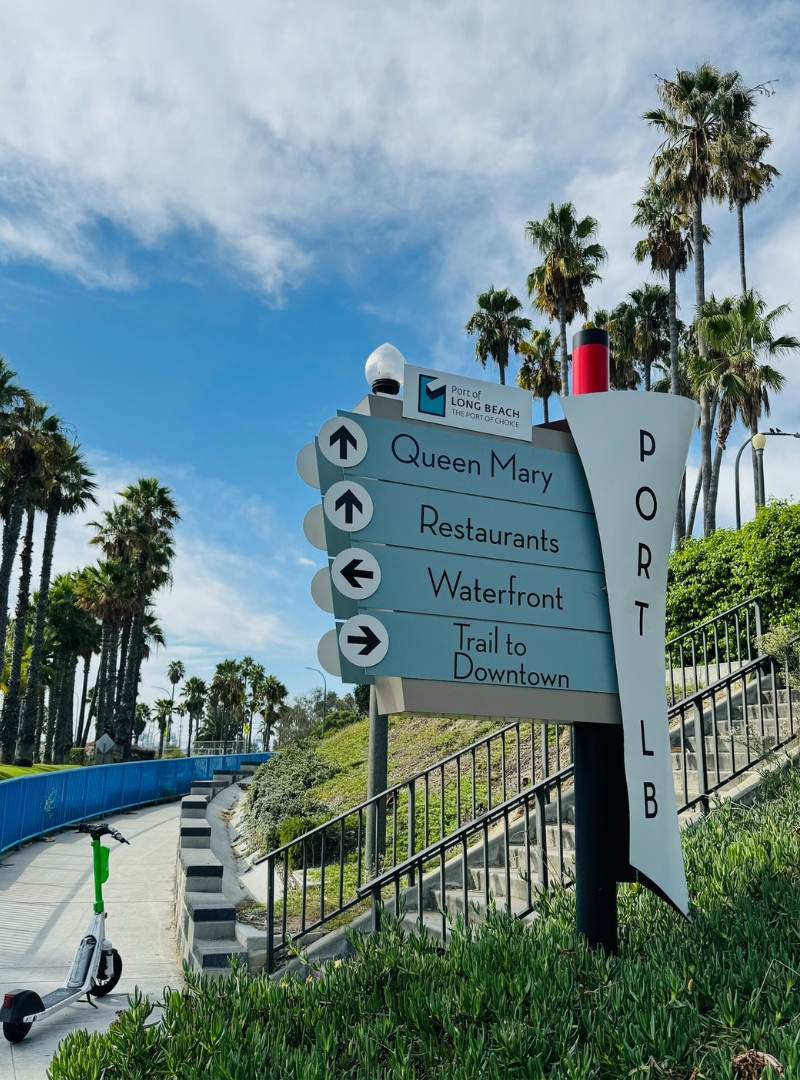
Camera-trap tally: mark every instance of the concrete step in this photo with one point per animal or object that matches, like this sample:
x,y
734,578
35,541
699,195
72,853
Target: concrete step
x,y
213,916
497,883
202,870
194,806
196,834
207,787
476,902
213,957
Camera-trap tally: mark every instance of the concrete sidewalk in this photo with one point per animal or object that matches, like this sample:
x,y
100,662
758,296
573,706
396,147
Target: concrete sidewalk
x,y
46,896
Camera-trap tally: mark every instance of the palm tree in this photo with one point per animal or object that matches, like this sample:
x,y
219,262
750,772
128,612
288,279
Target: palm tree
x,y
275,695
194,696
226,693
107,591
31,432
539,371
68,487
747,177
570,265
650,313
162,711
498,326
9,722
620,324
143,531
668,246
143,718
740,330
175,672
701,120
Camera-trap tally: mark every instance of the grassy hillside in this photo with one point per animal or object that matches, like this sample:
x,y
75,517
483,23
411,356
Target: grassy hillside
x,y
9,772
415,743
509,1001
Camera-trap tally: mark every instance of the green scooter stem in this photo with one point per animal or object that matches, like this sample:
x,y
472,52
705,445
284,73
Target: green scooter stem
x,y
100,861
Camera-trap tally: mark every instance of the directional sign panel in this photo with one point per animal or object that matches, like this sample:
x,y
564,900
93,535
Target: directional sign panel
x,y
364,640
342,441
492,653
445,521
444,584
356,573
433,457
348,505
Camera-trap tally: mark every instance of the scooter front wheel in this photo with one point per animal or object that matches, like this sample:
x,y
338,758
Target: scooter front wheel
x,y
16,1032
101,987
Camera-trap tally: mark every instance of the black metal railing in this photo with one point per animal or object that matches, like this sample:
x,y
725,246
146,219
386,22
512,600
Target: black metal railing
x,y
459,810
318,876
715,648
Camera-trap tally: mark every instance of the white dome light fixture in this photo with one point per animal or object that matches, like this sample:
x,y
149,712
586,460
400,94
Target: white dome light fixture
x,y
384,370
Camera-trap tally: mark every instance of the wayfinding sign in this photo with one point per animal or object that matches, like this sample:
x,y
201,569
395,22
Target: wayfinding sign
x,y
504,571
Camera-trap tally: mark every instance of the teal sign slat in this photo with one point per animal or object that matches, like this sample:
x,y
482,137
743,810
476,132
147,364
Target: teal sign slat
x,y
496,654
434,457
445,584
447,521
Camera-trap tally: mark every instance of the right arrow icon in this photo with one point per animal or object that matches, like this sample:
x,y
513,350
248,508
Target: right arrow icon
x,y
356,573
364,640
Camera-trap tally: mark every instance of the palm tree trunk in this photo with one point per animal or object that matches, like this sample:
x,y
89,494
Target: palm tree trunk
x,y
98,702
63,733
674,371
695,500
706,429
10,540
37,739
680,514
722,439
54,701
80,736
122,671
546,409
161,729
562,338
740,226
189,747
27,727
647,373
9,724
699,262
111,680
92,712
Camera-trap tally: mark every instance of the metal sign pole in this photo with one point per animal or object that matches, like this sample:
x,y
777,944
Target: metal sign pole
x,y
601,801
377,768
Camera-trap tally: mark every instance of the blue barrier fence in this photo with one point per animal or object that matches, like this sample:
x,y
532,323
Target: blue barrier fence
x,y
31,806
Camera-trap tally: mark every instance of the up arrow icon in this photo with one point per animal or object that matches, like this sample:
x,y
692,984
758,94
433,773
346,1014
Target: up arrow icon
x,y
342,441
347,505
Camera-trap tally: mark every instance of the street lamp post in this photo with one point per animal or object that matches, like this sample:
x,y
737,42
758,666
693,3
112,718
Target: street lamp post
x,y
324,695
758,442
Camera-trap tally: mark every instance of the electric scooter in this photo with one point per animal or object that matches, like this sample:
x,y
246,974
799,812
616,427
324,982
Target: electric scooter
x,y
96,968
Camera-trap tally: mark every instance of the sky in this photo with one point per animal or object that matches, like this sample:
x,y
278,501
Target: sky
x,y
210,215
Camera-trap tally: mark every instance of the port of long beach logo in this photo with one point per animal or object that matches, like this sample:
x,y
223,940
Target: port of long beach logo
x,y
432,395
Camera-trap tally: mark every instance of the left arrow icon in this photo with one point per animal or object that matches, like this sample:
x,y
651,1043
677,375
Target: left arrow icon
x,y
355,573
342,441
364,640
348,505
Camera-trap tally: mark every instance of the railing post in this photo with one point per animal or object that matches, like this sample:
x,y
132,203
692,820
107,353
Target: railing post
x,y
757,613
270,914
412,827
700,756
543,871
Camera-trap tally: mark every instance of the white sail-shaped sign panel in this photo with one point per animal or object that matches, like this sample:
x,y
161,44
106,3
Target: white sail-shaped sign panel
x,y
633,448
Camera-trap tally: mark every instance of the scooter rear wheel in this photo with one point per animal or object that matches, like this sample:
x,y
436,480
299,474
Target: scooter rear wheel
x,y
101,987
16,1032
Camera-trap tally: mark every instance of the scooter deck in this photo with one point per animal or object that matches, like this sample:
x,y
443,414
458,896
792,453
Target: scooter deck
x,y
55,996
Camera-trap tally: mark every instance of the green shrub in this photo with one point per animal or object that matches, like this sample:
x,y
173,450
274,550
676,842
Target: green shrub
x,y
340,718
713,573
281,790
514,1001
783,645
173,752
77,756
298,825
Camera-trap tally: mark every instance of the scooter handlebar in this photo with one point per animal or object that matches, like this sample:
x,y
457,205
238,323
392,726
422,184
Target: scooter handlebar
x,y
118,836
102,829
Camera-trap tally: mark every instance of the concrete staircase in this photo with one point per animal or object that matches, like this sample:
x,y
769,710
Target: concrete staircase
x,y
206,921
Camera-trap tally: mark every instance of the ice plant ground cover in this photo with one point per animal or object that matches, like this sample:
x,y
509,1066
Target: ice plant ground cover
x,y
509,1000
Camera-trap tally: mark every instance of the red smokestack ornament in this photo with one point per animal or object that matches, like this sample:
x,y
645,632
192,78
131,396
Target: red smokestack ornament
x,y
590,362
